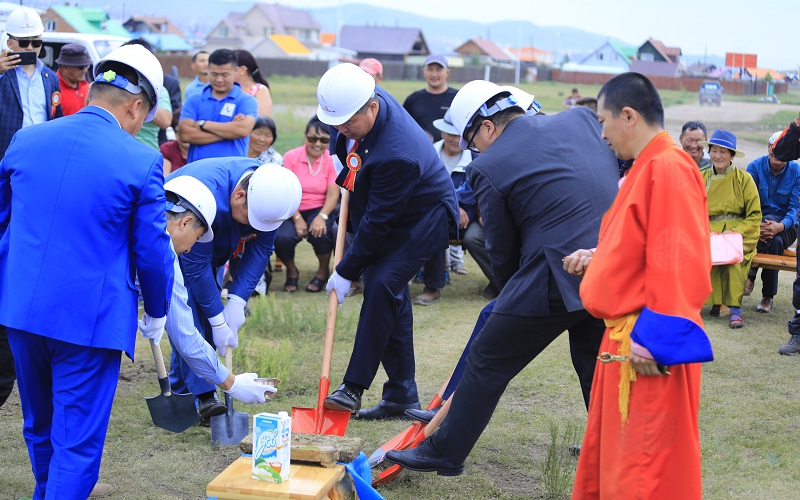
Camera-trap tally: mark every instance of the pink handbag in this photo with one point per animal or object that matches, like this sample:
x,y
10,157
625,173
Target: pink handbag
x,y
726,249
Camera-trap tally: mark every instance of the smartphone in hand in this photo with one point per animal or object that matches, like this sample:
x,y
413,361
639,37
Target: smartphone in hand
x,y
25,58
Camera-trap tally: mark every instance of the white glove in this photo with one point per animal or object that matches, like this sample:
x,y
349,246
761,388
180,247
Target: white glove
x,y
234,312
247,390
341,285
152,328
224,336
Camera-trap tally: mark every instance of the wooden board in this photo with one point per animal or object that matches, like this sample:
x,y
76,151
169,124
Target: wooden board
x,y
776,262
305,482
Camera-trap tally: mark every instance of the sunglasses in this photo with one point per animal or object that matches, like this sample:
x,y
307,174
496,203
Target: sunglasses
x,y
24,43
323,140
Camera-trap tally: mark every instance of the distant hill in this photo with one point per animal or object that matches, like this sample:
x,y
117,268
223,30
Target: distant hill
x,y
196,17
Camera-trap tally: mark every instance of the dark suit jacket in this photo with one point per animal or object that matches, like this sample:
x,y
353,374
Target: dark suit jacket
x,y
403,202
11,107
542,188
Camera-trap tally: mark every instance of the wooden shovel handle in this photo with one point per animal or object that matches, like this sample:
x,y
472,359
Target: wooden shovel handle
x,y
229,358
436,421
333,302
158,358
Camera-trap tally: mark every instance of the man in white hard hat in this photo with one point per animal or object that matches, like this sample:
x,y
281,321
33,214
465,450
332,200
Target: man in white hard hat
x,y
82,208
191,210
252,202
402,205
542,184
29,91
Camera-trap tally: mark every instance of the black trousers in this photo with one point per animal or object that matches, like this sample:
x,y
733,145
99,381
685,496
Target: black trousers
x,y
7,375
503,348
775,246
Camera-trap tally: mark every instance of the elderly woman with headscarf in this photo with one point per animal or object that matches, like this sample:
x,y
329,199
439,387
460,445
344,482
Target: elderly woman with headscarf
x,y
733,206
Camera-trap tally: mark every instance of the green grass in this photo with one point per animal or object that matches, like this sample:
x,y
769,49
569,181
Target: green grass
x,y
747,420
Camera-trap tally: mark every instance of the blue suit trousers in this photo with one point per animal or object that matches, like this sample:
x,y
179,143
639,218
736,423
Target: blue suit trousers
x,y
385,333
66,392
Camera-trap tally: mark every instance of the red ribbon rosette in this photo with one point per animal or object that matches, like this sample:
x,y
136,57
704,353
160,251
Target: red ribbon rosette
x,y
55,100
353,162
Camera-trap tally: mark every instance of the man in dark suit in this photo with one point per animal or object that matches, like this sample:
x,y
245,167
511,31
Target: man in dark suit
x,y
402,203
542,183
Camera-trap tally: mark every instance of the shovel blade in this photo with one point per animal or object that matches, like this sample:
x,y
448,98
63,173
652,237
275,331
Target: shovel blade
x,y
175,413
320,421
229,429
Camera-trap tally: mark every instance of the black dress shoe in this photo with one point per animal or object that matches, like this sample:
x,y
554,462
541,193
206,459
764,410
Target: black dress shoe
x,y
425,458
346,398
211,407
387,409
424,416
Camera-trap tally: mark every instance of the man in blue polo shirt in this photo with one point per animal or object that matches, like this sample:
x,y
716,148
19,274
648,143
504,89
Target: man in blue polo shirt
x,y
218,121
779,189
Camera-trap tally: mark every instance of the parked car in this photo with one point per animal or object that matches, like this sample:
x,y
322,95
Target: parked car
x,y
710,93
97,45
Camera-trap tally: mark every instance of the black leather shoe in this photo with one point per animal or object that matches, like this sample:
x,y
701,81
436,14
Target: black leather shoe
x,y
425,458
211,407
344,398
424,416
387,409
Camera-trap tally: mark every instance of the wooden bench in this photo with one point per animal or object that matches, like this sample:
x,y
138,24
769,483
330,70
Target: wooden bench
x,y
306,482
785,262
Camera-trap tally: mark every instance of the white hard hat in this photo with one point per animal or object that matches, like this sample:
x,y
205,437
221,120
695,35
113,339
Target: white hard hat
x,y
525,100
24,22
151,76
196,197
273,196
342,91
470,101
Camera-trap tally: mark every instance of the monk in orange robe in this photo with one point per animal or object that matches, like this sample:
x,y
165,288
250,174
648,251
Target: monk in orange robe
x,y
642,438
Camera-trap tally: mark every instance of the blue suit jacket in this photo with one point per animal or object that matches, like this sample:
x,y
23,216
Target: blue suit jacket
x,y
403,202
82,209
542,189
221,176
10,104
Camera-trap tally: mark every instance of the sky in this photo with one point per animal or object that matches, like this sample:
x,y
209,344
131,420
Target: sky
x,y
707,26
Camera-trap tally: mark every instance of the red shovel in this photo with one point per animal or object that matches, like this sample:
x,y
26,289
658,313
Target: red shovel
x,y
321,420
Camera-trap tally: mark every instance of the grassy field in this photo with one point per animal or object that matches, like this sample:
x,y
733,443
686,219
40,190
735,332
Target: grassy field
x,y
747,420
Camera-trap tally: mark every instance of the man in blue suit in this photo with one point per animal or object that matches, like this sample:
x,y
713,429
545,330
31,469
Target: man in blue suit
x,y
82,211
29,93
252,201
542,184
402,205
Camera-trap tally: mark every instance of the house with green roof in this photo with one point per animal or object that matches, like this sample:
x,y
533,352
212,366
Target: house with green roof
x,y
87,20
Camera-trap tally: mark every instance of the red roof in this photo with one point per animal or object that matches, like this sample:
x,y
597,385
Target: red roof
x,y
671,54
487,48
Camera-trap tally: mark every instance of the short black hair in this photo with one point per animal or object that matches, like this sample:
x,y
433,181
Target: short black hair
x,y
264,121
633,90
114,94
694,126
140,41
316,123
194,57
221,57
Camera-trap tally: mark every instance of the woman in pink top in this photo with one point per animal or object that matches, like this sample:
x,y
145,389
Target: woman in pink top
x,y
313,165
253,82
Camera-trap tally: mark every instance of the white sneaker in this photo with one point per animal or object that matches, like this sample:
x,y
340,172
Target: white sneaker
x,y
261,287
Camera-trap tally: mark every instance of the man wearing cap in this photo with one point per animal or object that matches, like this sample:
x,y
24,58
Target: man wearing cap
x,y
218,121
29,93
430,103
60,233
455,162
73,61
252,202
692,134
191,210
534,212
642,438
402,204
778,184
373,67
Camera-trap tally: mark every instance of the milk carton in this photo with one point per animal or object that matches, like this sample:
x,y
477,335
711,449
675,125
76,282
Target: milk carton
x,y
272,445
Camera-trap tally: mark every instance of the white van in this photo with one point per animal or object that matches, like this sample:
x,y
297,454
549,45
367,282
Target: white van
x,y
97,45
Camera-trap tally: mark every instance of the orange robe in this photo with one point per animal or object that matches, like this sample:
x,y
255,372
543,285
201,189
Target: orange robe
x,y
653,251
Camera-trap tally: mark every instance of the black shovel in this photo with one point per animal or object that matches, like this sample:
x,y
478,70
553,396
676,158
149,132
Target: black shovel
x,y
170,411
231,428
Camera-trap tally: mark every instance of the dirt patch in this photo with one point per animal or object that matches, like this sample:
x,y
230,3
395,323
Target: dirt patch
x,y
134,376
